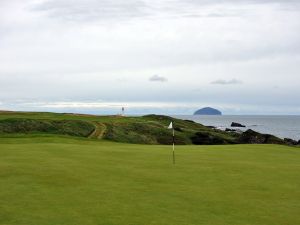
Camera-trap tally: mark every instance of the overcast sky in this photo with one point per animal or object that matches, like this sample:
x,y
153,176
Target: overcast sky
x,y
151,56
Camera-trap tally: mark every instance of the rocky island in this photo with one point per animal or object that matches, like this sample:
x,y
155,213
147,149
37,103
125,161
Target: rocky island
x,y
208,111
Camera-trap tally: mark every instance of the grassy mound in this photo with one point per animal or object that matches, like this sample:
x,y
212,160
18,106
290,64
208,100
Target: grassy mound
x,y
67,181
150,129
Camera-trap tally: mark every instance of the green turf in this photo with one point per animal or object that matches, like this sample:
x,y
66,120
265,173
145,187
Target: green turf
x,y
58,180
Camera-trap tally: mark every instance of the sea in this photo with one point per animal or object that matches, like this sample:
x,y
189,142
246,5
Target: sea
x,y
280,126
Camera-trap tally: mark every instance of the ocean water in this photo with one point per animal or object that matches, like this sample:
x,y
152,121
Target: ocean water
x,y
280,126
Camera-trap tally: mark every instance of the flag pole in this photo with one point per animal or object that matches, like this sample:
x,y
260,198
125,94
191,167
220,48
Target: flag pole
x,y
173,146
171,126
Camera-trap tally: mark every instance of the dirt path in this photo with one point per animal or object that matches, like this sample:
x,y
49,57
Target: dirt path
x,y
99,131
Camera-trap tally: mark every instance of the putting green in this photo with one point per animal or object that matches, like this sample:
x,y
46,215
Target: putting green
x,y
56,181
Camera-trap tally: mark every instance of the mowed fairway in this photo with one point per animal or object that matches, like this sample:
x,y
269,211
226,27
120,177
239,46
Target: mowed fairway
x,y
55,181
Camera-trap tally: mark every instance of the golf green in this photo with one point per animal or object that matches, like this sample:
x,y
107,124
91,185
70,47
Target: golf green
x,y
59,181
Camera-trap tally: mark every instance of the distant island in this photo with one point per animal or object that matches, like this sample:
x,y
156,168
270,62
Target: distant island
x,y
208,111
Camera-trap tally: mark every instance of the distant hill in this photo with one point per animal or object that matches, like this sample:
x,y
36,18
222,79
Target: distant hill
x,y
208,111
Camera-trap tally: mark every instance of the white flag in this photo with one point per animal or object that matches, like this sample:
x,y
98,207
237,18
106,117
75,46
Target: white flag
x,y
170,126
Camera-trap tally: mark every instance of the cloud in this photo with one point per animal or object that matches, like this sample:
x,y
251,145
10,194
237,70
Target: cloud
x,y
122,11
119,9
214,2
91,10
227,82
157,78
98,49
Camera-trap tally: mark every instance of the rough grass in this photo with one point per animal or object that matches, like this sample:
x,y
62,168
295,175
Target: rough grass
x,y
149,132
67,181
64,127
151,129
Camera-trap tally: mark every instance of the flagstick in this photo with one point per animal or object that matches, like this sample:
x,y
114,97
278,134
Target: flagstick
x,y
173,146
172,127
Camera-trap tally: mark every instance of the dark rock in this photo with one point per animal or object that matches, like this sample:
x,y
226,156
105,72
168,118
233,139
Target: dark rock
x,y
208,111
253,137
230,130
234,124
290,141
211,127
206,139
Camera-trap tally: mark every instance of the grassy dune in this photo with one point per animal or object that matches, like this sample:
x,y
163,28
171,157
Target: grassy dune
x,y
59,180
150,129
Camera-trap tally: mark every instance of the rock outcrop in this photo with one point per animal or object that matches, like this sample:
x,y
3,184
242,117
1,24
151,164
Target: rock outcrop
x,y
253,137
290,141
234,124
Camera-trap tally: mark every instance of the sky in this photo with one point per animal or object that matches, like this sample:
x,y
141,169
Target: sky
x,y
150,56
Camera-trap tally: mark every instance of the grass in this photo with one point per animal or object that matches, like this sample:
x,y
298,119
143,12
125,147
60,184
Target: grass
x,y
46,180
62,116
62,127
151,129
